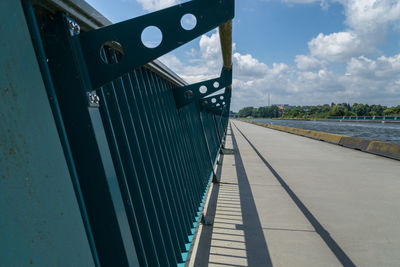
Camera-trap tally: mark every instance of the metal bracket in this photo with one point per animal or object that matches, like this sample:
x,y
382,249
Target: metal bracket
x,y
215,179
216,103
74,28
188,94
204,221
93,99
128,36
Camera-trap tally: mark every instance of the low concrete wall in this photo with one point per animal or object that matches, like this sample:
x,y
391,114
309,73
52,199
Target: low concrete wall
x,y
354,142
380,148
384,149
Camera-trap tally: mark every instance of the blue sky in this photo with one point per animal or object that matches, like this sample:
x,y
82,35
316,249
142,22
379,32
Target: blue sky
x,y
301,52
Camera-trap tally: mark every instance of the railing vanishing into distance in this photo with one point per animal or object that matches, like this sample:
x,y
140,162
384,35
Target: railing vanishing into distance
x,y
140,147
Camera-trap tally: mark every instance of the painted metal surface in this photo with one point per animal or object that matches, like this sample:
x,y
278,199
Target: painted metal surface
x,y
193,92
139,164
40,219
209,14
88,19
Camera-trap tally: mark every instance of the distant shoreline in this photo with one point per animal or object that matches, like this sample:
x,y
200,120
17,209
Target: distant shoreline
x,y
338,120
328,120
363,121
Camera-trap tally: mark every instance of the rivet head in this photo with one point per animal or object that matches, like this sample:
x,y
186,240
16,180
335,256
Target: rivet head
x,y
188,94
96,99
91,98
77,28
74,27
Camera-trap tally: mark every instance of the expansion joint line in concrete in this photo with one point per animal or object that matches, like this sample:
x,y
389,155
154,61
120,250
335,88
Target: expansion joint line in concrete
x,y
326,237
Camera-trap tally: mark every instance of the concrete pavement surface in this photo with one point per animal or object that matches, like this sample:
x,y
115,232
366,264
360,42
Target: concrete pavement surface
x,y
287,200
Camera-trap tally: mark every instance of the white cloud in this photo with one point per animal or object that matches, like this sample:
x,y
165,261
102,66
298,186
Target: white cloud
x,y
172,62
248,67
206,63
192,73
210,48
363,15
368,22
300,1
367,77
338,46
383,68
371,16
367,81
192,52
309,82
154,5
305,62
374,80
323,3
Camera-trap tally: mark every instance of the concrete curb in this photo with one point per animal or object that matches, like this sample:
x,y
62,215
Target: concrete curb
x,y
380,148
354,142
384,149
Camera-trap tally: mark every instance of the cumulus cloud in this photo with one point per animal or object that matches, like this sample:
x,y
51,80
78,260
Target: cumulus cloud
x,y
323,3
192,73
366,75
323,86
374,79
305,62
300,1
371,16
309,82
210,50
383,68
206,62
248,67
337,46
154,5
367,21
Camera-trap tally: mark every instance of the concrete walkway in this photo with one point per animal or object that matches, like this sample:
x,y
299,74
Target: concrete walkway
x,y
286,200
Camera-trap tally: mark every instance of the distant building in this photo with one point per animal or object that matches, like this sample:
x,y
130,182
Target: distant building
x,y
283,106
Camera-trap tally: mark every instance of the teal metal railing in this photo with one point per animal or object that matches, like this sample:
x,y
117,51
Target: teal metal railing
x,y
141,148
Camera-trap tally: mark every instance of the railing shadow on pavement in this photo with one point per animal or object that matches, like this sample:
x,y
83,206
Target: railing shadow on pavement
x,y
203,254
256,245
236,238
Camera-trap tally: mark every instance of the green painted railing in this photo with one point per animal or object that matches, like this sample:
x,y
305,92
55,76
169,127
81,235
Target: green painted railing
x,y
140,146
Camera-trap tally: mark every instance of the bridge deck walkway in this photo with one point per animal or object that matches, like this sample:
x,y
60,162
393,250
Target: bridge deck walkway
x,y
286,200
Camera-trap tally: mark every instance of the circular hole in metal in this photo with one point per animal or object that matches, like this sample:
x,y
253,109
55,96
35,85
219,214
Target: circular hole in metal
x,y
223,103
216,84
218,105
188,22
213,100
203,89
221,97
188,94
111,52
151,37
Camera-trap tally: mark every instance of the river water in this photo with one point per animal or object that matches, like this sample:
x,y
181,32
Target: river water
x,y
389,132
